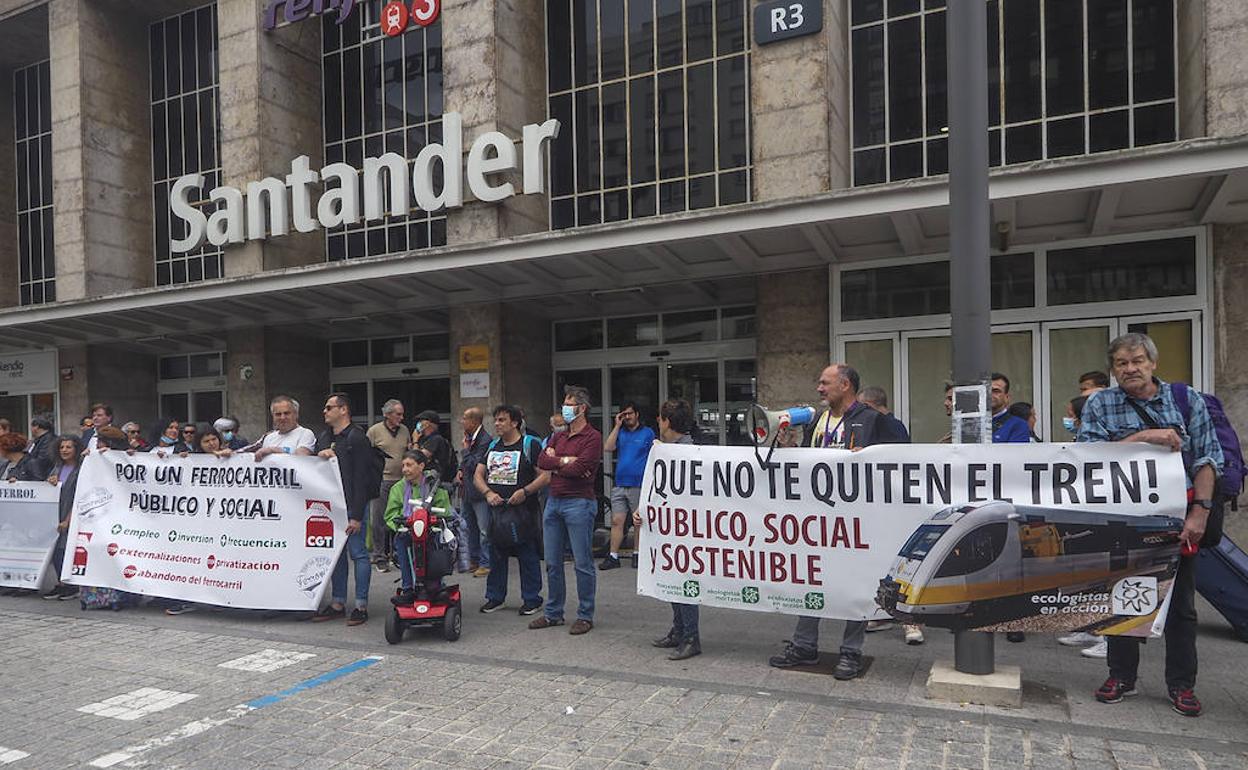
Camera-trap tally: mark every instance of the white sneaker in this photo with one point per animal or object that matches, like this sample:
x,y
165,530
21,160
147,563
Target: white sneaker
x,y
1098,650
914,634
880,625
1078,639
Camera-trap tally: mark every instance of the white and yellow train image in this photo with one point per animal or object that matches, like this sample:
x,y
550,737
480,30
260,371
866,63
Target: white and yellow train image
x,y
981,564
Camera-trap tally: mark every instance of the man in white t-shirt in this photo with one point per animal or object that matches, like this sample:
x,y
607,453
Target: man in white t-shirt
x,y
287,436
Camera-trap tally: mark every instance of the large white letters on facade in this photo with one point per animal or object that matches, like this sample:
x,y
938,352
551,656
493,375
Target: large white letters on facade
x,y
389,186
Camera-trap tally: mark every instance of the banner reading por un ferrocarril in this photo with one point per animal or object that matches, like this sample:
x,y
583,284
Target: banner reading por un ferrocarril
x,y
28,516
235,532
1013,537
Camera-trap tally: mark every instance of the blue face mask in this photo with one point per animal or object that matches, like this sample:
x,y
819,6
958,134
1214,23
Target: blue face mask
x,y
420,426
569,413
228,436
166,440
1069,424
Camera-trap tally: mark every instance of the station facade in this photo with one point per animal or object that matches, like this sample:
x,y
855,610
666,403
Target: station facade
x,y
714,218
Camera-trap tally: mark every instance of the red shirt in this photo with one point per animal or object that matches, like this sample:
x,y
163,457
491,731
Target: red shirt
x,y
575,479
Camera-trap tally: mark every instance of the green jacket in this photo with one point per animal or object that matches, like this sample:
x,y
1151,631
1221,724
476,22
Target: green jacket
x,y
394,505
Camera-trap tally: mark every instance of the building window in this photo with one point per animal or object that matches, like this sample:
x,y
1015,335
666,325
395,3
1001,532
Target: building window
x,y
1064,78
186,134
381,94
922,288
653,98
690,326
32,116
390,350
1122,271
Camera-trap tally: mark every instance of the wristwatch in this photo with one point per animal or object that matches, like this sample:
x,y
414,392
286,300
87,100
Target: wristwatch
x,y
1206,504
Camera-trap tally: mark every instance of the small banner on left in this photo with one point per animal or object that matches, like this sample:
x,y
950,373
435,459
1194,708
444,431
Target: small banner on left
x,y
232,532
27,533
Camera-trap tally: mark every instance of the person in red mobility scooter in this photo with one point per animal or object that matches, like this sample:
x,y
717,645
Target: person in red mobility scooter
x,y
419,512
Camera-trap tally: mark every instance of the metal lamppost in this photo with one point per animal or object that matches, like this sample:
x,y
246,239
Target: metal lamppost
x,y
969,228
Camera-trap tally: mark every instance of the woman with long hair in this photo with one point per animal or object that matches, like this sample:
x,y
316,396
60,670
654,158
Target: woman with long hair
x,y
67,451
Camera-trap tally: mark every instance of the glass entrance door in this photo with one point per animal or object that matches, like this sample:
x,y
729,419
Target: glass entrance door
x,y
1072,349
699,385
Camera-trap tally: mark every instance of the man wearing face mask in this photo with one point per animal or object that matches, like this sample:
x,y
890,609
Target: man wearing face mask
x,y
427,438
228,428
631,442
572,459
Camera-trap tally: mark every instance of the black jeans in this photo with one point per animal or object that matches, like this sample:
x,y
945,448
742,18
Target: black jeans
x,y
1180,633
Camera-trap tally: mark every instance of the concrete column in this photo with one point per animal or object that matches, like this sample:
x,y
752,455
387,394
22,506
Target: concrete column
x,y
9,254
799,95
101,161
1190,68
494,68
1230,320
520,366
1226,68
270,114
282,361
793,344
72,397
246,399
125,379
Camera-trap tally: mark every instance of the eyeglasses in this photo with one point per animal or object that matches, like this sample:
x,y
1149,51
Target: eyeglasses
x,y
327,407
188,431
132,431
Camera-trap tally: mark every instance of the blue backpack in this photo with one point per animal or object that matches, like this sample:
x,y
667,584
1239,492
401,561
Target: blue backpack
x,y
1231,483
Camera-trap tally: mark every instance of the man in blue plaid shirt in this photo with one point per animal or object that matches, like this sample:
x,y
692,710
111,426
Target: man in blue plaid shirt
x,y
1142,408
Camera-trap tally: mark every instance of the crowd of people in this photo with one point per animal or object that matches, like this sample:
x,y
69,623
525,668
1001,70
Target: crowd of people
x,y
532,498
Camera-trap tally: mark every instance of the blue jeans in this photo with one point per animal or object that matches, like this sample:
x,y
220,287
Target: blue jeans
x,y
569,521
477,512
530,575
403,554
685,622
358,553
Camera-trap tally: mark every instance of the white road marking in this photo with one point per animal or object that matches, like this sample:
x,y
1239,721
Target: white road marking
x,y
11,755
266,661
137,704
185,731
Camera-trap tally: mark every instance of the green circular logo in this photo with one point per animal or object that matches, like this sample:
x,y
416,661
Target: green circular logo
x,y
173,536
116,529
691,589
814,601
749,595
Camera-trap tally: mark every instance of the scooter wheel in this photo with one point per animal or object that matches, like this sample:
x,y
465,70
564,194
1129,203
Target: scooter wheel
x,y
452,624
395,626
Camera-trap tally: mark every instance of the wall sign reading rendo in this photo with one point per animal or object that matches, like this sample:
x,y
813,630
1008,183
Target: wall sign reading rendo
x,y
298,10
270,204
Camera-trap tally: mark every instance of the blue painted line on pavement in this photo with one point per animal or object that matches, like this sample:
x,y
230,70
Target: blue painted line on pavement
x,y
307,684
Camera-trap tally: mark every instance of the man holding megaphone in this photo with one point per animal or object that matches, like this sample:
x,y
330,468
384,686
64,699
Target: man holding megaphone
x,y
844,423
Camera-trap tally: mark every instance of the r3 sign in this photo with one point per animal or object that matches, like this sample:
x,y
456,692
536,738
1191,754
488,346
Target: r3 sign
x,y
782,19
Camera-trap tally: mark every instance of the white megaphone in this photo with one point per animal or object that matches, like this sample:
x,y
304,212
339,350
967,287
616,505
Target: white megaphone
x,y
765,423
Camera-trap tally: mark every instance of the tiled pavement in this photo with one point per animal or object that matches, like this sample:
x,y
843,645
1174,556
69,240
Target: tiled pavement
x,y
507,697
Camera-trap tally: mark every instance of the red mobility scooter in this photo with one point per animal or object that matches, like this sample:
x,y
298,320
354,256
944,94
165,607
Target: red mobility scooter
x,y
432,553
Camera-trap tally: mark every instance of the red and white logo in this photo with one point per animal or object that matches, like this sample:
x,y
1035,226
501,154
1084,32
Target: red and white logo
x,y
212,561
129,572
425,12
80,561
319,532
113,548
394,18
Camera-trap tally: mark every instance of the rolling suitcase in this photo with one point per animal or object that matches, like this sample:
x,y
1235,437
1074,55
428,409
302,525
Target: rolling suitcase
x,y
1222,578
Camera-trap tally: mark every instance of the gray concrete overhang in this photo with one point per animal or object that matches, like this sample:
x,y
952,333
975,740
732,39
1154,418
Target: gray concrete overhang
x,y
681,260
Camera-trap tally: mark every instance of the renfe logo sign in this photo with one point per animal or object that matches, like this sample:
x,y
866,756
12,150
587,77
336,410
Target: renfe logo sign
x,y
298,10
271,204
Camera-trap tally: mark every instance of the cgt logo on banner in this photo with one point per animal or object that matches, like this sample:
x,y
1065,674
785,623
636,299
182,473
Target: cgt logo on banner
x,y
1036,537
218,531
28,516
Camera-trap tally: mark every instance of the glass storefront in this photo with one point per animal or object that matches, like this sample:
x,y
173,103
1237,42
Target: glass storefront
x,y
32,124
412,368
192,387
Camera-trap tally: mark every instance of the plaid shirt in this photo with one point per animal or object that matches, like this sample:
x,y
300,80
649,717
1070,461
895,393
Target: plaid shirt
x,y
1108,416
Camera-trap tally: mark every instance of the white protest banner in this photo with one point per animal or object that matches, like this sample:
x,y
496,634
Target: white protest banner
x,y
1044,537
236,532
27,532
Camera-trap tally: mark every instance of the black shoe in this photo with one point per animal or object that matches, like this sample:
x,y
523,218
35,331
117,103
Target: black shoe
x,y
848,667
359,617
68,593
794,656
530,609
667,642
609,562
687,649
1016,637
490,606
403,598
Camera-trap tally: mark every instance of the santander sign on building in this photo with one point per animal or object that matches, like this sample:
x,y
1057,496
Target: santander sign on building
x,y
386,186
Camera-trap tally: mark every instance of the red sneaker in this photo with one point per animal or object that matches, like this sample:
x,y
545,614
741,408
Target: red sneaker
x,y
1184,701
1114,690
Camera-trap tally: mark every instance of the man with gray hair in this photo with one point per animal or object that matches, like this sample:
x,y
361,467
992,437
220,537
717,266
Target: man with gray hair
x,y
572,459
287,436
1143,408
392,437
